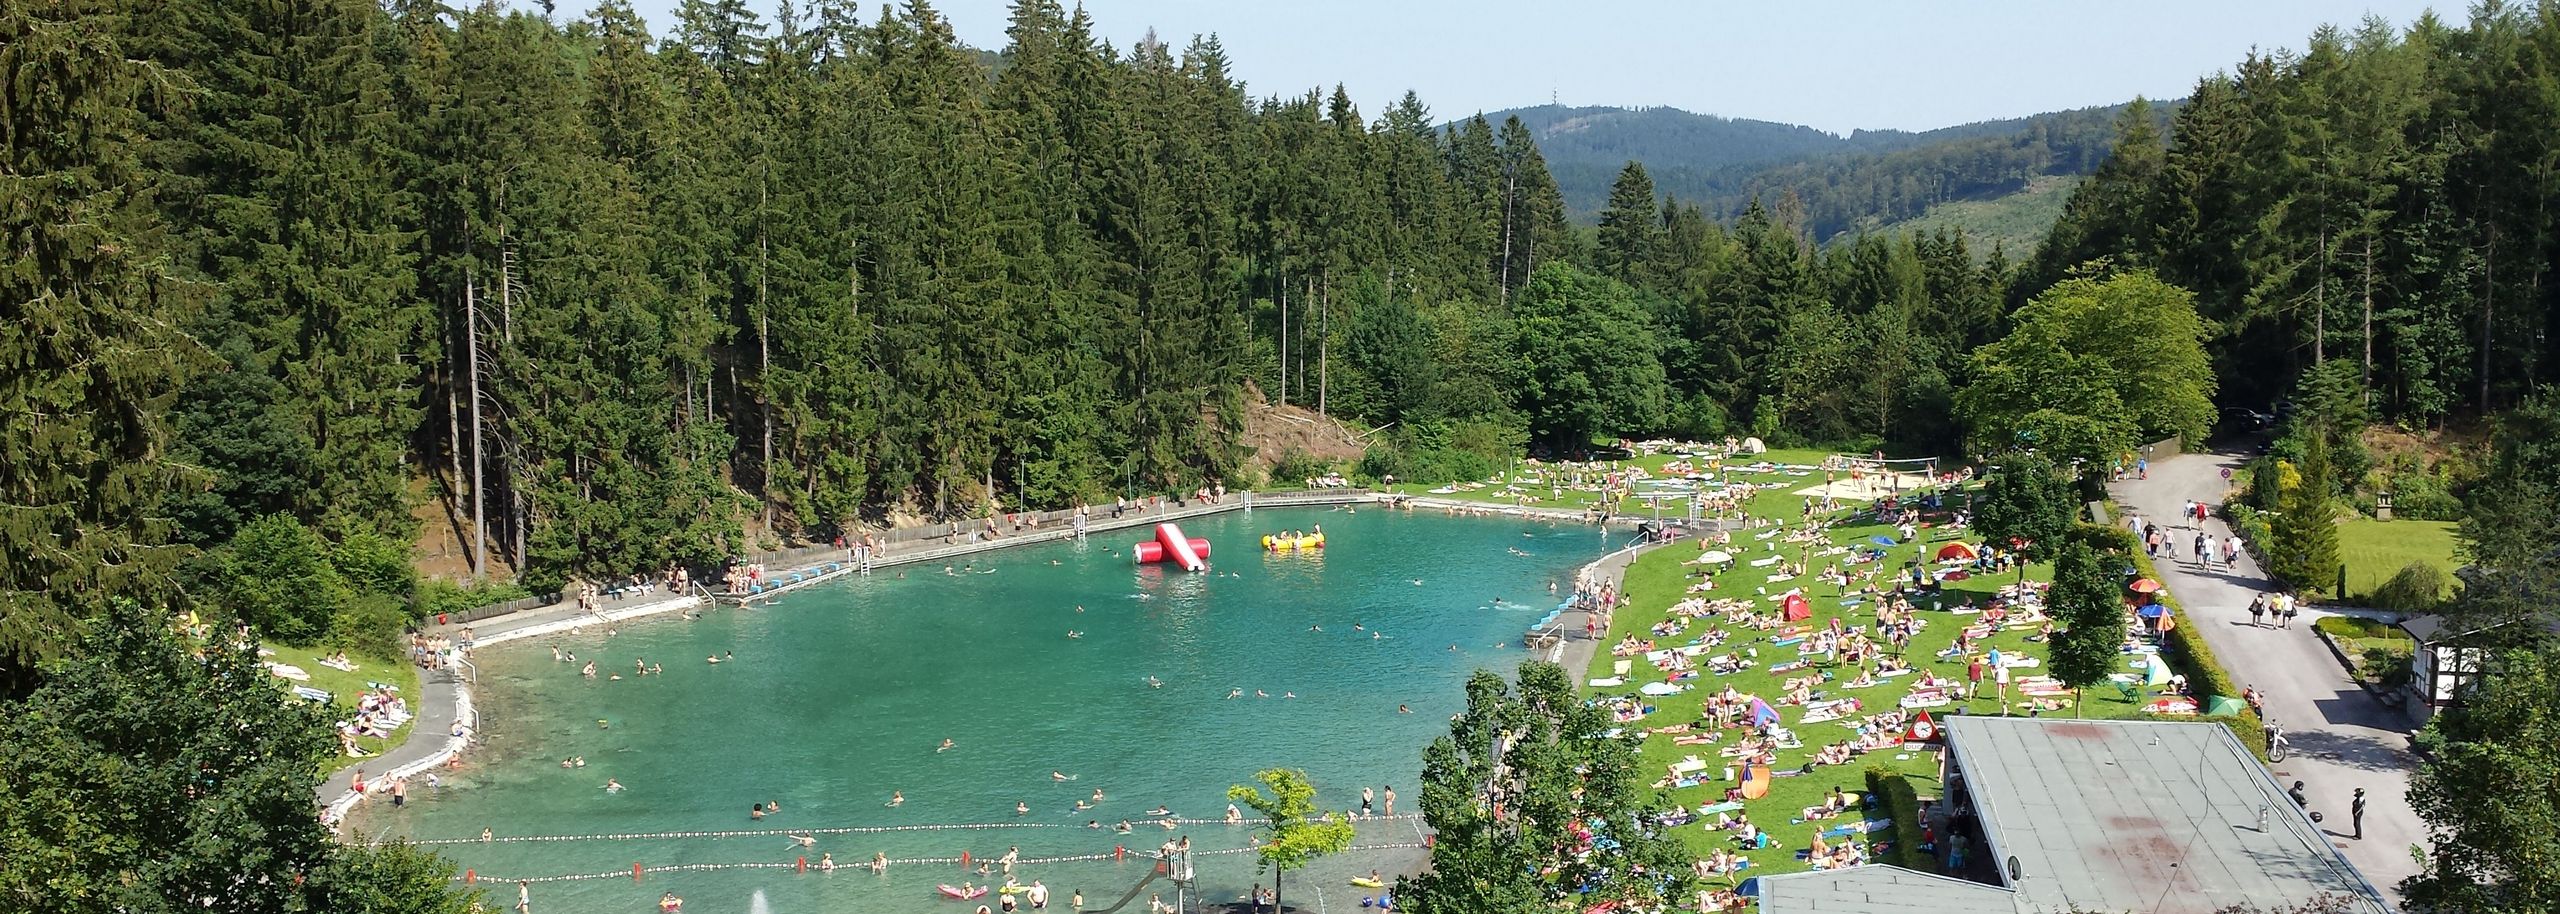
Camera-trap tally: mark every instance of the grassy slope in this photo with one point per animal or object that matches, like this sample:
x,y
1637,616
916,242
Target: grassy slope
x,y
2017,221
2374,549
347,687
1658,580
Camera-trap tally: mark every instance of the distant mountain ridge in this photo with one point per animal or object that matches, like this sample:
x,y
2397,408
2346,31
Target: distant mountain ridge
x,y
1864,180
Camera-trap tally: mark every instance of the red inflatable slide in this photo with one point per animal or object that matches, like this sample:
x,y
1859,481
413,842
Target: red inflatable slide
x,y
1171,547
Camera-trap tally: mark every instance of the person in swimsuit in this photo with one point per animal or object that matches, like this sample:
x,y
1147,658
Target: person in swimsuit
x,y
945,747
896,797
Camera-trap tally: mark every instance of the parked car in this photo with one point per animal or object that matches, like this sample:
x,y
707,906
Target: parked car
x,y
2244,419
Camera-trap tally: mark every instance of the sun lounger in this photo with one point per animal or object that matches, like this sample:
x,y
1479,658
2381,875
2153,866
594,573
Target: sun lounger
x,y
308,693
1621,667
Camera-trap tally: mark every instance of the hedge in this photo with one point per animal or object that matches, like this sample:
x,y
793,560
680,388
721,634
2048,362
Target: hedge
x,y
2193,658
1903,803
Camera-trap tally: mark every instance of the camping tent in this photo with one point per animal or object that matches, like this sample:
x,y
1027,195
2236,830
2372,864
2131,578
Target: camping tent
x,y
1798,608
1955,552
1754,446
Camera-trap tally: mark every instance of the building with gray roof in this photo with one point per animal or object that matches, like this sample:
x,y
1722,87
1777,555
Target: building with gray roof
x,y
2152,817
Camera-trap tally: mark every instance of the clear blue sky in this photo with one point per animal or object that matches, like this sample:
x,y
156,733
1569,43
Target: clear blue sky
x,y
1832,65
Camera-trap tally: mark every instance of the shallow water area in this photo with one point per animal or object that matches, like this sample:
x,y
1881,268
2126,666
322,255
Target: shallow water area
x,y
840,695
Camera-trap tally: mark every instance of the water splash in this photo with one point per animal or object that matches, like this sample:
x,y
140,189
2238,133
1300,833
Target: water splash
x,y
757,904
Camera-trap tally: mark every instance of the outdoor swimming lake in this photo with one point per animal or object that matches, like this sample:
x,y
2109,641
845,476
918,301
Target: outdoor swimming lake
x,y
839,695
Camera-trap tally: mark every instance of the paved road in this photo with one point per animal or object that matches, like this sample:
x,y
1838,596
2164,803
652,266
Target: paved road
x,y
2342,739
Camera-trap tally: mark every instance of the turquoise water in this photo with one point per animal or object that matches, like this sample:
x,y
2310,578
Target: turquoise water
x,y
840,695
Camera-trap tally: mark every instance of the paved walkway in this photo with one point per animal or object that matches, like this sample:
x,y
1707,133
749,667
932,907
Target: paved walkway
x,y
2342,738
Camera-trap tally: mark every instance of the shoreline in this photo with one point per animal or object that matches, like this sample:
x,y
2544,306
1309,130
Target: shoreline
x,y
443,708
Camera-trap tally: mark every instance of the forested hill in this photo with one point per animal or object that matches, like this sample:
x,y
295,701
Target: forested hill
x,y
1861,181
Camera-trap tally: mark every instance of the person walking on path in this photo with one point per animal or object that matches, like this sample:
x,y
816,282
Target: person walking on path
x,y
2355,813
2257,611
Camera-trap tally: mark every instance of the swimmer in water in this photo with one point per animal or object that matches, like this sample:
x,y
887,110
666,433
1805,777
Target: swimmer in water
x,y
1021,808
612,786
1359,626
1315,628
945,747
1093,823
1400,709
1235,693
879,863
802,840
1123,827
1288,694
1097,794
710,659
1079,607
589,670
1453,647
1258,693
1417,582
896,798
1060,776
1160,811
1154,683
602,725
1082,806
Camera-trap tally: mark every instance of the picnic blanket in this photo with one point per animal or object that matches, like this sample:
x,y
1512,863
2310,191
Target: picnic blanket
x,y
1861,827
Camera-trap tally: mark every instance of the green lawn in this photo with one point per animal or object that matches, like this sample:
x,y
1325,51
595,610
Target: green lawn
x,y
2374,550
1659,579
1542,494
347,687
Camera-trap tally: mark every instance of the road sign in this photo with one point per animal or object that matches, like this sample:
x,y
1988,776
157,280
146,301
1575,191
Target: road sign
x,y
2226,472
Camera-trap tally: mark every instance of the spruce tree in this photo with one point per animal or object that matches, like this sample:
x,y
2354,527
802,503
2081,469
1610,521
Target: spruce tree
x,y
2305,530
91,337
1628,227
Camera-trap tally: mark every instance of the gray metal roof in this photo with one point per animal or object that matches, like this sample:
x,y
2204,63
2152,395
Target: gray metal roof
x,y
1877,889
2149,816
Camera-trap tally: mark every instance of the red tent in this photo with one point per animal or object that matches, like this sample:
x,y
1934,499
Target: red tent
x,y
1798,608
1955,552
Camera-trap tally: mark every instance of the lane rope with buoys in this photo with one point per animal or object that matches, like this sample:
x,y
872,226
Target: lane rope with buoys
x,y
637,869
845,830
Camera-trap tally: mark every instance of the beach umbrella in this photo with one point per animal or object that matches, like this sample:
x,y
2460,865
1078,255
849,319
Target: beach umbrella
x,y
2145,585
1750,888
1882,540
1659,689
2153,610
1715,555
1953,552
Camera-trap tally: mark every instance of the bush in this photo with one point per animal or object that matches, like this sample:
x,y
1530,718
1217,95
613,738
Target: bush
x,y
276,576
371,625
2106,538
1902,803
434,597
2353,627
373,563
1295,467
1381,462
2417,587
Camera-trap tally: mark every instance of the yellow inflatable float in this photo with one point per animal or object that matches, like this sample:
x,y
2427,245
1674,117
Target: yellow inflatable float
x,y
1287,543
